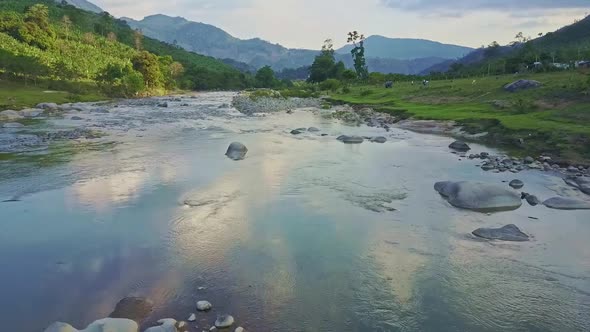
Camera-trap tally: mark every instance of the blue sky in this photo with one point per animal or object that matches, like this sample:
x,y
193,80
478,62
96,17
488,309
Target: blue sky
x,y
307,23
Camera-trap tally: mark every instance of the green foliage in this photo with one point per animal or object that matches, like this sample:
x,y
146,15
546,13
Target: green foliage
x,y
265,78
330,85
121,81
358,54
365,93
324,65
148,65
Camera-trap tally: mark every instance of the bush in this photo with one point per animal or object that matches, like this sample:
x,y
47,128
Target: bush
x,y
365,93
345,89
330,85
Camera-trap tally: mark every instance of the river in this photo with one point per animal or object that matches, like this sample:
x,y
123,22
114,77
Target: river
x,y
305,234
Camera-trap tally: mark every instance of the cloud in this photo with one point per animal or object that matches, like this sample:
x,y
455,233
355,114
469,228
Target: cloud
x,y
452,6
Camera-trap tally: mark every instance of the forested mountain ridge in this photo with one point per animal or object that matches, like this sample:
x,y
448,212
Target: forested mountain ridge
x,y
42,38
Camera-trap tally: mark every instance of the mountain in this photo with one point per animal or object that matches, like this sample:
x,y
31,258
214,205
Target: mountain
x,y
255,53
407,49
84,5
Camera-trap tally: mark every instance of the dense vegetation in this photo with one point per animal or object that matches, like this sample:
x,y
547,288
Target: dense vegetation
x,y
40,39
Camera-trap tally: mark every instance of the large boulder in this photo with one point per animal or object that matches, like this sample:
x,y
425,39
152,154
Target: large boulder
x,y
102,325
582,183
166,325
506,233
522,85
562,203
478,196
236,151
10,115
351,139
134,308
459,146
31,112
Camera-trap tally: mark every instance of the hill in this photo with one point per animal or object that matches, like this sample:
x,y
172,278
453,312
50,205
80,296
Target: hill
x,y
40,39
408,49
83,4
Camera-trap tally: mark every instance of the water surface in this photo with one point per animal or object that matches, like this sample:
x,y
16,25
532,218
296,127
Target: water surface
x,y
305,234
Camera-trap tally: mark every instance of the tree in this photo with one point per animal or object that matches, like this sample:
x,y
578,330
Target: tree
x,y
148,65
121,81
138,39
67,24
492,49
36,30
265,77
358,54
324,65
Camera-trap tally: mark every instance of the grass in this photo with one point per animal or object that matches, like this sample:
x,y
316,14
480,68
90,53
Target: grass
x,y
554,118
17,95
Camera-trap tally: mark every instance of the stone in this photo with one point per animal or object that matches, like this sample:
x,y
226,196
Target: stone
x,y
484,155
47,106
192,318
529,160
31,112
563,203
204,306
522,85
102,325
239,329
516,184
236,151
295,132
459,146
582,183
224,321
506,233
379,139
352,139
13,125
532,200
134,308
76,118
10,115
488,167
166,325
164,104
313,129
479,196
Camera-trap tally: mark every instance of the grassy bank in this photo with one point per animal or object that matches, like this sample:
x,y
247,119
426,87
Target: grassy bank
x,y
18,95
554,118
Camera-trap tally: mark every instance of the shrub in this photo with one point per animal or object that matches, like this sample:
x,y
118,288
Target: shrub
x,y
365,93
330,85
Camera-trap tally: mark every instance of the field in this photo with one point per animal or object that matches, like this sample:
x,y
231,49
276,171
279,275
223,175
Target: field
x,y
554,118
17,95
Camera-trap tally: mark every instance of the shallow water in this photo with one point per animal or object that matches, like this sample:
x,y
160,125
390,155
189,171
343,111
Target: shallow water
x,y
305,234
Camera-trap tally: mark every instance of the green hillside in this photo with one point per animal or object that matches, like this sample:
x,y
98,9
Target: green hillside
x,y
42,40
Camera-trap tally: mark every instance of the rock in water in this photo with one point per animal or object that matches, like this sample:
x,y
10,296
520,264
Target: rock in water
x,y
516,184
478,196
192,318
239,329
47,106
532,200
506,233
31,112
166,325
582,183
562,203
379,139
351,139
204,306
10,115
460,146
134,308
295,132
313,129
521,85
102,325
224,321
13,125
236,151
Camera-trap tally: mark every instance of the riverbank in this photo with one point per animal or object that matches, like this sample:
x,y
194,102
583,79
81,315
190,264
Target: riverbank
x,y
552,119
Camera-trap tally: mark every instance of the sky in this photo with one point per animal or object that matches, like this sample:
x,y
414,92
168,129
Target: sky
x,y
307,23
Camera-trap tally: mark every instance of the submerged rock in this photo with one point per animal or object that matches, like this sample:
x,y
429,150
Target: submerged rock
x,y
295,132
102,325
532,200
379,139
506,233
204,306
166,325
582,183
351,139
224,321
134,308
76,118
562,203
516,184
522,85
460,146
313,129
236,151
478,196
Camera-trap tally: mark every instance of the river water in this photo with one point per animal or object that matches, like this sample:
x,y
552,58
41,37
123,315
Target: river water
x,y
305,234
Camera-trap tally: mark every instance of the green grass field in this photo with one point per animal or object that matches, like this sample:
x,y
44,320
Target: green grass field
x,y
554,118
17,95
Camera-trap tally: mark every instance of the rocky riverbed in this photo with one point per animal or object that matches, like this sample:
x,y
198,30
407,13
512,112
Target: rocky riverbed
x,y
288,217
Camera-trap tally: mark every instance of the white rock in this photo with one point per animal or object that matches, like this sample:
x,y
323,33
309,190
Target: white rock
x,y
192,318
166,325
204,306
31,112
240,329
102,325
224,321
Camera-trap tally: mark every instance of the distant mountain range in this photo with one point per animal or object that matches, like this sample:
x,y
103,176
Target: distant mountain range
x,y
83,4
408,56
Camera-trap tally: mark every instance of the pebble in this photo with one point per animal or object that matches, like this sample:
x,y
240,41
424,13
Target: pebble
x,y
204,306
192,318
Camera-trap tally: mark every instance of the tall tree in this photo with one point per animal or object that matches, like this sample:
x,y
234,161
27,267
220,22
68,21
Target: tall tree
x,y
148,65
324,65
358,54
138,39
67,25
265,77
